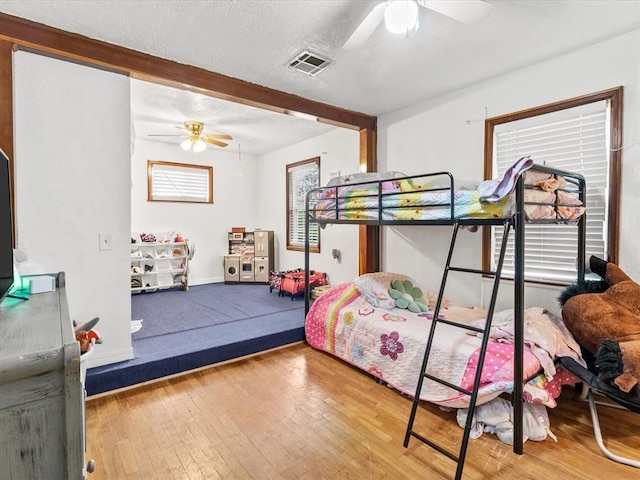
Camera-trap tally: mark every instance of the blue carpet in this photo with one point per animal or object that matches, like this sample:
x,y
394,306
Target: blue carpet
x,y
208,324
166,311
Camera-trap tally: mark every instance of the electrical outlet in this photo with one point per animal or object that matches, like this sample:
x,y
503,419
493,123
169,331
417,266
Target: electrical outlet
x,y
105,241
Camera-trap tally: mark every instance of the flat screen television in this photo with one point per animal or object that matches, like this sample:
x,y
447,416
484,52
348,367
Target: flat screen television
x,y
6,231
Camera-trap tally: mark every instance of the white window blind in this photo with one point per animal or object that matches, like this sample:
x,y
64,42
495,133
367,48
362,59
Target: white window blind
x,y
575,140
175,182
301,179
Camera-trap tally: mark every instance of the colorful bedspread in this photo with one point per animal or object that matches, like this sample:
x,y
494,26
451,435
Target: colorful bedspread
x,y
390,345
419,205
429,197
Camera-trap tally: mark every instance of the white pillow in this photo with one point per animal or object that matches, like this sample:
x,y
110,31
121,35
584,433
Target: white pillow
x,y
374,287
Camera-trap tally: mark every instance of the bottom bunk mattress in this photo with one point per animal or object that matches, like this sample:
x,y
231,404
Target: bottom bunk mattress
x,y
390,345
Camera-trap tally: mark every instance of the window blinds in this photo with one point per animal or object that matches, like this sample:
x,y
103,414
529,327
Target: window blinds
x,y
301,180
180,183
576,140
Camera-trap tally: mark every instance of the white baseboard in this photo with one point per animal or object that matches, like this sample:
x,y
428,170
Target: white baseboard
x,y
107,358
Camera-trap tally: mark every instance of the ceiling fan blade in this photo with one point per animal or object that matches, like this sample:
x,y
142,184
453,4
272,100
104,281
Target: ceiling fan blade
x,y
465,11
218,136
162,135
366,28
213,141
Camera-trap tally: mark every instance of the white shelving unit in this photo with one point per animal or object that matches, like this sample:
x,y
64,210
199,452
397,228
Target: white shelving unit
x,y
159,265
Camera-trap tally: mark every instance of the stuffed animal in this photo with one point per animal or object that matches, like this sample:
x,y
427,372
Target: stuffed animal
x,y
86,335
407,296
604,318
83,339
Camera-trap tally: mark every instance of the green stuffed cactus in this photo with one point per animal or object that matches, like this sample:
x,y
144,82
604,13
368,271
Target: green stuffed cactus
x,y
407,296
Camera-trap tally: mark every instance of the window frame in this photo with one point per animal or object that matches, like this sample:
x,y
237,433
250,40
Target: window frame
x,y
311,163
614,96
187,166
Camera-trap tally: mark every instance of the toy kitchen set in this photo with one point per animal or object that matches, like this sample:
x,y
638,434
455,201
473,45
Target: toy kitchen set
x,y
250,258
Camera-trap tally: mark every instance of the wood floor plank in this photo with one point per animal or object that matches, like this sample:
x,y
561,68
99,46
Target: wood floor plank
x,y
297,413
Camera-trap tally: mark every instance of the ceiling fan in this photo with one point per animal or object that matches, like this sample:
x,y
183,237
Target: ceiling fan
x,y
401,16
196,141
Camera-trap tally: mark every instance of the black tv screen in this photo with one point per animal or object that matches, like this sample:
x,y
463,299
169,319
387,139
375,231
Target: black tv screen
x,y
6,231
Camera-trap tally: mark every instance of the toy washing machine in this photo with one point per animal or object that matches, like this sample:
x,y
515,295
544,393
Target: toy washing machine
x,y
232,268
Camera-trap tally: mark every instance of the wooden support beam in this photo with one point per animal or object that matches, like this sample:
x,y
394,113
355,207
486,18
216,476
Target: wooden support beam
x,y
369,253
35,36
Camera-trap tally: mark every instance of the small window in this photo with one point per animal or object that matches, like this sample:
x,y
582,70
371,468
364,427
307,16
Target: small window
x,y
301,177
179,182
576,135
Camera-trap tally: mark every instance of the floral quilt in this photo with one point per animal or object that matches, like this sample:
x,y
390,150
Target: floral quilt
x,y
390,345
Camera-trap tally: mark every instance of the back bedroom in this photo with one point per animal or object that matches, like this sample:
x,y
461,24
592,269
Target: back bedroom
x,y
84,177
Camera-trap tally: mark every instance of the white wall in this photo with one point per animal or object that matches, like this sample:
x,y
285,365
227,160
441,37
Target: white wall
x,y
447,134
235,204
339,151
72,156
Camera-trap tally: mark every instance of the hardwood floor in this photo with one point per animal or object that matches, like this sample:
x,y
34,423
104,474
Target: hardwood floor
x,y
297,413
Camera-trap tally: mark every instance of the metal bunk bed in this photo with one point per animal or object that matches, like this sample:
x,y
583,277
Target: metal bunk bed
x,y
374,215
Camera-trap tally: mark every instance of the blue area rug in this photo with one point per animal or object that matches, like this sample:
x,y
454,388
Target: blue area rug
x,y
205,325
170,311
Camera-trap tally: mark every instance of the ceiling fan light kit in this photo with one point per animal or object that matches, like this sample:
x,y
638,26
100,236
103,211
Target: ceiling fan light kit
x,y
196,141
197,145
401,16
193,143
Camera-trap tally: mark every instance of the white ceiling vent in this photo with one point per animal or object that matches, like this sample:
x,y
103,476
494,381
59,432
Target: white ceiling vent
x,y
309,63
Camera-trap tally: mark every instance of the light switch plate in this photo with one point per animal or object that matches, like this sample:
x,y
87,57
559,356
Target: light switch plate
x,y
105,241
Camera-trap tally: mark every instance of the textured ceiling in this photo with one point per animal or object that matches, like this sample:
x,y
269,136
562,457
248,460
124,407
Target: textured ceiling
x,y
157,110
254,41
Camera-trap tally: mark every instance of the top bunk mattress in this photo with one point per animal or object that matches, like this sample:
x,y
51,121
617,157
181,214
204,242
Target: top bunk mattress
x,y
549,195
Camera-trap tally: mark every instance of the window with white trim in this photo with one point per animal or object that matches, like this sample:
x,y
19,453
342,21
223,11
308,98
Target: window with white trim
x,y
576,138
179,182
301,177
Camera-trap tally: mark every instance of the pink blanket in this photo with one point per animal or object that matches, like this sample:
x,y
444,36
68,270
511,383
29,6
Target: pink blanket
x,y
390,345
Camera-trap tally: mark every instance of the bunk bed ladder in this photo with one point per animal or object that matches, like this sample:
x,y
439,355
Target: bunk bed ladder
x,y
473,393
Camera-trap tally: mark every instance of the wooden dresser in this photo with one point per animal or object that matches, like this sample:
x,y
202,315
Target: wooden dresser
x,y
41,392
